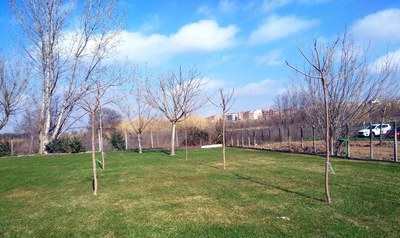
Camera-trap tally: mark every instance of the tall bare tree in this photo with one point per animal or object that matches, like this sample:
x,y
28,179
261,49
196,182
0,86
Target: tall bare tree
x,y
225,103
141,114
321,62
94,98
13,84
66,41
353,84
176,95
347,86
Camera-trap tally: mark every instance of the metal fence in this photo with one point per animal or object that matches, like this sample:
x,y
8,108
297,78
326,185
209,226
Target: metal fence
x,y
309,140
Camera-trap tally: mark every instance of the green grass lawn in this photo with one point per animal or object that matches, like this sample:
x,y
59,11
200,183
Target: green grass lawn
x,y
260,194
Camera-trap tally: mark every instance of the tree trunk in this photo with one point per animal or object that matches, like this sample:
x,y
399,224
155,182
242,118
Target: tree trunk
x,y
139,142
186,139
186,143
94,153
103,165
151,139
176,137
223,139
173,139
126,139
45,114
99,140
328,196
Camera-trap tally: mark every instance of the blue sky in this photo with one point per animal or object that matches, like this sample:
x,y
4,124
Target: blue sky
x,y
243,44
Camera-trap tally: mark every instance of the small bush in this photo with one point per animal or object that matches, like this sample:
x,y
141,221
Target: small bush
x,y
218,132
75,145
5,149
117,141
65,145
197,136
56,146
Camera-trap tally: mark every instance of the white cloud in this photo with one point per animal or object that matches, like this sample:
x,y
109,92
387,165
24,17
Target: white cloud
x,y
382,25
391,59
211,84
280,27
272,5
152,24
256,95
202,36
252,96
258,88
271,58
218,60
205,10
228,6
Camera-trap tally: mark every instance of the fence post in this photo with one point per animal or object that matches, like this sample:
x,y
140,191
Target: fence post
x,y
126,139
288,134
280,136
31,145
12,147
371,150
151,139
269,135
254,138
313,139
348,141
331,140
302,137
242,139
395,142
262,136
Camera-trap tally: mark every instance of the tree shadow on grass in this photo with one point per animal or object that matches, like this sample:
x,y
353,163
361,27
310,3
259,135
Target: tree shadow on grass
x,y
276,187
151,150
249,179
209,165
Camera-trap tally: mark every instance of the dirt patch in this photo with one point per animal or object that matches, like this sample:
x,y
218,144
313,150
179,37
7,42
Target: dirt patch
x,y
20,193
358,149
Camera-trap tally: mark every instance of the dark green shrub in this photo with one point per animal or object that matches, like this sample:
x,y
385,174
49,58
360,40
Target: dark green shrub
x,y
65,145
56,146
117,141
218,133
75,145
197,136
5,149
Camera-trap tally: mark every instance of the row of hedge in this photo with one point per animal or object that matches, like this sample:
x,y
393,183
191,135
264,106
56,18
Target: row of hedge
x,y
65,145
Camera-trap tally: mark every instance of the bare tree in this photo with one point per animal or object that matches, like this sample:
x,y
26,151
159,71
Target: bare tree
x,y
348,85
95,97
142,115
353,84
13,84
321,67
175,96
66,43
226,102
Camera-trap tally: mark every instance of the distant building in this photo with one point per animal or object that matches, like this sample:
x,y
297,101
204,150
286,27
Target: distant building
x,y
247,115
232,117
269,113
255,115
240,116
214,118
